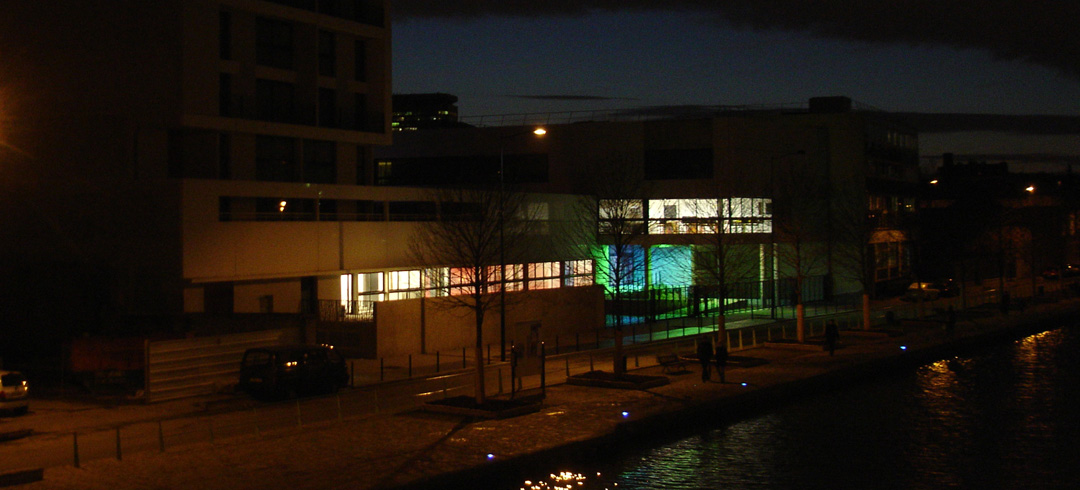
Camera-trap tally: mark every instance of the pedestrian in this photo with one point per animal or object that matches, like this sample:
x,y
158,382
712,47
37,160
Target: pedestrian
x,y
832,334
721,359
515,376
950,320
704,355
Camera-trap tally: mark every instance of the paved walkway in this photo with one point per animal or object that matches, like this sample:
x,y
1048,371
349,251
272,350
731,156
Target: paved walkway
x,y
423,450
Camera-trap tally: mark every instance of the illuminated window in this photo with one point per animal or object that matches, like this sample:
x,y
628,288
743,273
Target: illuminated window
x,y
403,284
746,215
578,273
620,215
370,287
544,275
514,278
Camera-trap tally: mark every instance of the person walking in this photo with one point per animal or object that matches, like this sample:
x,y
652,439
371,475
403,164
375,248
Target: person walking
x,y
704,355
721,359
832,334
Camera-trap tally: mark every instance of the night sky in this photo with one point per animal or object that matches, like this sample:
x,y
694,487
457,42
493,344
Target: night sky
x,y
960,56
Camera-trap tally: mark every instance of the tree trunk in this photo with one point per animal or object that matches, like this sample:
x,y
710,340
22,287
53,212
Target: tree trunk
x,y
479,355
620,367
866,311
800,322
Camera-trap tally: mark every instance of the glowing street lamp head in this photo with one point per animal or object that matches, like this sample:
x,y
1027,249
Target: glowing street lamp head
x,y
540,131
1030,189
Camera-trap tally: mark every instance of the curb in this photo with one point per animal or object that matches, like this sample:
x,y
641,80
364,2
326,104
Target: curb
x,y
21,477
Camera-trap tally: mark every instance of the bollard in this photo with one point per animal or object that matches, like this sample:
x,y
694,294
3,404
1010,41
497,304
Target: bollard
x,y
436,362
410,366
500,381
75,439
119,454
543,370
463,365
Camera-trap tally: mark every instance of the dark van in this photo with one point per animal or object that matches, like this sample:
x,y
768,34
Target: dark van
x,y
287,371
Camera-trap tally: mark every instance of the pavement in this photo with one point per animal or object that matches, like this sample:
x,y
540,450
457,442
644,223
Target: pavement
x,y
417,449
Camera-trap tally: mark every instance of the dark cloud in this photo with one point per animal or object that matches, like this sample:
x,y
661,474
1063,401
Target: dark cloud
x,y
952,123
1038,31
568,97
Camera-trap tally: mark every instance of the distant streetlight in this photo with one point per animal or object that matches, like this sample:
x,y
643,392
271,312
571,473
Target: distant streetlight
x,y
934,182
539,131
1030,189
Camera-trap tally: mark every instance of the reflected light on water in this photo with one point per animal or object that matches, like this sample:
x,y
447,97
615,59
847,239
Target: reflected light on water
x,y
1001,415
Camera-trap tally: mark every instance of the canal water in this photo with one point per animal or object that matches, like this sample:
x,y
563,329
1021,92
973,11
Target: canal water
x,y
1000,417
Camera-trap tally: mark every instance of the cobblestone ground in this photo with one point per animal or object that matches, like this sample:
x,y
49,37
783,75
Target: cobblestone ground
x,y
388,450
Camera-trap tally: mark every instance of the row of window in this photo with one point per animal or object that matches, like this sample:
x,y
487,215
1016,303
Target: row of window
x,y
687,216
232,208
277,101
275,47
453,281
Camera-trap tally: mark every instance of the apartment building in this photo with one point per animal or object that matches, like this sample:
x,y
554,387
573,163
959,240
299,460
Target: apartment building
x,y
186,167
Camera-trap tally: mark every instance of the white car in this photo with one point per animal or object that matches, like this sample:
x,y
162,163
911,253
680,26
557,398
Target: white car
x,y
926,291
14,396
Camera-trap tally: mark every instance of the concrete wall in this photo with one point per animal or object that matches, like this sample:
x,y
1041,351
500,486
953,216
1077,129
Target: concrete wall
x,y
563,311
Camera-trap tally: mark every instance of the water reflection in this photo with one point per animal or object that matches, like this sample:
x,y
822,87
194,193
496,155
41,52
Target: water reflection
x,y
1002,417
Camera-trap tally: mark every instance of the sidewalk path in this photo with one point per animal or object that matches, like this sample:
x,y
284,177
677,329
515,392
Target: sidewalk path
x,y
422,450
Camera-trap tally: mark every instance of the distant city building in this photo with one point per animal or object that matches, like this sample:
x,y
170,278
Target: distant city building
x,y
424,111
981,220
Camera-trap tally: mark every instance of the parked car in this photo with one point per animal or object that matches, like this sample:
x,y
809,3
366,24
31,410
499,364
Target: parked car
x,y
1067,270
14,392
929,291
291,370
947,288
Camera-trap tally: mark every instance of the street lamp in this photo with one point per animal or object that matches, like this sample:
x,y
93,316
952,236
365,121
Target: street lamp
x,y
539,132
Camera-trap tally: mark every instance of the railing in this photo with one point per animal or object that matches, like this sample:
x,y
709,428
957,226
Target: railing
x,y
338,310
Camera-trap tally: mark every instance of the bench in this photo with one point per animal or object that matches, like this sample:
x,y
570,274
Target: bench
x,y
671,361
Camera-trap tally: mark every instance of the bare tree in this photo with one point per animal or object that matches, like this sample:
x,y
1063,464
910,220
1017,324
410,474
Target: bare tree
x,y
854,229
615,196
715,226
800,225
477,229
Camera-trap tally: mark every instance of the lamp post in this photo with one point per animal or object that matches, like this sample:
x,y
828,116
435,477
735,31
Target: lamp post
x,y
540,131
